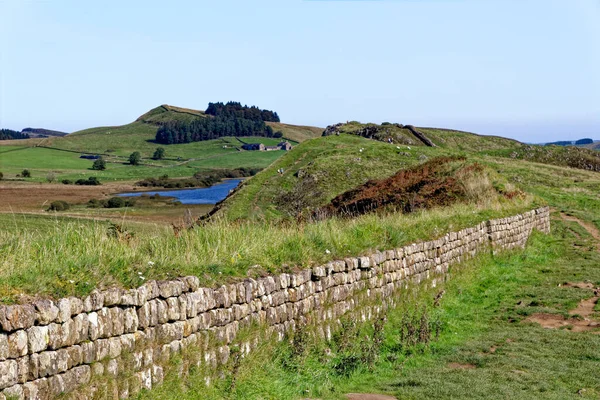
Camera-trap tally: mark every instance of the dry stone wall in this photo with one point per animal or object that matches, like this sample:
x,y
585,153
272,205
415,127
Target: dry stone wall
x,y
48,348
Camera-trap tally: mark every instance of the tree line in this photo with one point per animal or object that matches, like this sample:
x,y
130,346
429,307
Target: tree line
x,y
234,109
231,119
9,134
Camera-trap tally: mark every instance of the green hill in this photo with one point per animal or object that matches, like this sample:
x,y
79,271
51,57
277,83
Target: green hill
x,y
348,155
318,170
140,134
60,155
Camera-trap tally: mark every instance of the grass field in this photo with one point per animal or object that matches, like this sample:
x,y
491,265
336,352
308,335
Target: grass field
x,y
180,161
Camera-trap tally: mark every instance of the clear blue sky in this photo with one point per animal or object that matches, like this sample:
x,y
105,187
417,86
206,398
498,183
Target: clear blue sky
x,y
520,68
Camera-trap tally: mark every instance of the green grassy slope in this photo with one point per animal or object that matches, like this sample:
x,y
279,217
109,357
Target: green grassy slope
x,y
116,143
318,170
297,133
466,141
167,113
181,160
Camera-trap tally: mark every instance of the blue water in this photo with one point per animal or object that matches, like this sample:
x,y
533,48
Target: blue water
x,y
209,195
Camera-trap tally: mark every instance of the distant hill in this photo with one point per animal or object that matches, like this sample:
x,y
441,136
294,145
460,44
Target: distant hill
x,y
585,142
140,135
40,132
593,146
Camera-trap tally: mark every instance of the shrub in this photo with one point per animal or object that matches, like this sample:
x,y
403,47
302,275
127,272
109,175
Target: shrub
x,y
95,203
135,158
1,176
159,154
59,205
115,202
99,164
91,181
278,134
67,182
26,174
51,177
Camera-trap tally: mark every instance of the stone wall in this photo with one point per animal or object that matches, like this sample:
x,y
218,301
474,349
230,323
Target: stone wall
x,y
48,348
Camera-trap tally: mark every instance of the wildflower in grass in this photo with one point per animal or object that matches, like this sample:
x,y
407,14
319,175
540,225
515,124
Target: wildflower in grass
x,y
327,251
150,263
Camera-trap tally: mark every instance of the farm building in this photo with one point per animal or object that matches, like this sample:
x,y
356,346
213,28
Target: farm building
x,y
254,146
261,147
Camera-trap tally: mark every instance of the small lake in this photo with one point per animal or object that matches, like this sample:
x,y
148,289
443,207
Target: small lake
x,y
209,195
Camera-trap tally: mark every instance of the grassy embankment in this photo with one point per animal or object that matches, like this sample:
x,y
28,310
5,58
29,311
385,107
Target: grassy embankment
x,y
318,170
59,257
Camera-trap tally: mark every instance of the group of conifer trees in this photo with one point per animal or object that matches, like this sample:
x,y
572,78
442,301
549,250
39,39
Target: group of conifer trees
x,y
231,119
9,134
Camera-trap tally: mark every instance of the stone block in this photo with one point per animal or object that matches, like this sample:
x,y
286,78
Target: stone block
x,y
116,321
17,317
45,312
74,356
173,309
112,296
56,386
8,373
4,353
130,320
17,344
36,389
131,297
38,338
170,288
93,302
14,392
193,283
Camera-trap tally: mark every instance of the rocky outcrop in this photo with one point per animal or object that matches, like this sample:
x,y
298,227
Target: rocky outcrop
x,y
420,135
127,336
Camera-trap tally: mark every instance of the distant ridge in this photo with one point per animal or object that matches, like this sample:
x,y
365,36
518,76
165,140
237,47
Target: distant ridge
x,y
40,132
166,113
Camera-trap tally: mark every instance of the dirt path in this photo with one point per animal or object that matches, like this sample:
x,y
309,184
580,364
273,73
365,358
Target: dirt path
x,y
581,316
589,227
